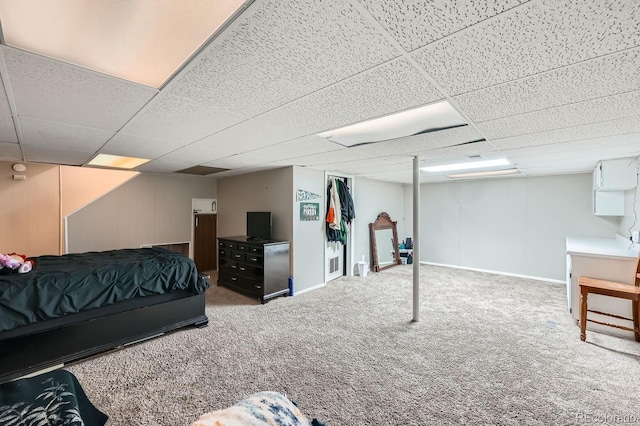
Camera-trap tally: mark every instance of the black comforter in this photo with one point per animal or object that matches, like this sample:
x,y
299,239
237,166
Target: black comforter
x,y
62,285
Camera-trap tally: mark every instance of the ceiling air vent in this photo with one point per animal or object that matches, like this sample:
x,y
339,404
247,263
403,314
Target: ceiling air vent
x,y
201,170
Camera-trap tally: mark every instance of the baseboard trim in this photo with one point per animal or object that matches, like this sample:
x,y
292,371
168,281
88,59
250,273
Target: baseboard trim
x,y
315,287
549,280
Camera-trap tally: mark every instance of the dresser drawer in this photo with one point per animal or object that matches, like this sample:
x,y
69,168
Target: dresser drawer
x,y
254,259
250,270
228,278
256,250
238,255
251,285
223,252
229,265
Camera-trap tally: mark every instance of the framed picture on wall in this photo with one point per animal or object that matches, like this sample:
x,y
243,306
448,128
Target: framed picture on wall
x,y
309,211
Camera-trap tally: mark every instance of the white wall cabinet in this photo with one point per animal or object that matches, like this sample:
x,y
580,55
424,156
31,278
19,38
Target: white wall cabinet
x,y
608,203
615,175
610,179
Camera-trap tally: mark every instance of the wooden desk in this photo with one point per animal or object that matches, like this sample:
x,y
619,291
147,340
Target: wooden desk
x,y
610,259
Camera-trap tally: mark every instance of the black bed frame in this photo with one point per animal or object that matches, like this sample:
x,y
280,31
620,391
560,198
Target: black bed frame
x,y
71,338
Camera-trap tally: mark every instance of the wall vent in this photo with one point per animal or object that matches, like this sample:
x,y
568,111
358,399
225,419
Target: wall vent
x,y
334,264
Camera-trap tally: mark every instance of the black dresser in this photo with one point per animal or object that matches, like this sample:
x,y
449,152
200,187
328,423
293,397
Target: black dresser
x,y
257,268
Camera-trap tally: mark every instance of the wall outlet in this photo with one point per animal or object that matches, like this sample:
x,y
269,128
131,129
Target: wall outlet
x,y
635,236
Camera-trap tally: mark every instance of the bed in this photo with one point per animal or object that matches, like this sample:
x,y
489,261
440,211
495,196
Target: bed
x,y
77,305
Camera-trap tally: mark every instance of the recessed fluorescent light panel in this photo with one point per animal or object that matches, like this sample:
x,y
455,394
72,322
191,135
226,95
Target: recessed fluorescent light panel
x,y
116,161
485,174
467,165
145,41
438,116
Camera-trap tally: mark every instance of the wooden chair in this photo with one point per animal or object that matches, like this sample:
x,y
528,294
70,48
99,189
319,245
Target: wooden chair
x,y
612,289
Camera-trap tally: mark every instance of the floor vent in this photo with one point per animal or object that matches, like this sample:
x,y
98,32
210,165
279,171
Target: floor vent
x,y
334,264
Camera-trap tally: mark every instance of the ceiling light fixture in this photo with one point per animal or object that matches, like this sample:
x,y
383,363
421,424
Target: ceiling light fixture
x,y
467,165
145,41
485,174
116,161
428,118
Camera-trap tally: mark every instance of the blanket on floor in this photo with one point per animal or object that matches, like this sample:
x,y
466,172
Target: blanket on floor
x,y
53,398
259,409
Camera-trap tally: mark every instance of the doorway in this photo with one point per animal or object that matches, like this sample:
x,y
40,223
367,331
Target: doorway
x,y
338,258
204,241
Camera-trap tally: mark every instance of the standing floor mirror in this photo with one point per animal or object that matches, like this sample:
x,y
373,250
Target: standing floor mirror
x,y
383,234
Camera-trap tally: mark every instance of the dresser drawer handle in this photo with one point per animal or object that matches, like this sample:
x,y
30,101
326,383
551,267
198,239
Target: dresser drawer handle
x,y
242,247
258,286
237,256
242,268
254,259
234,278
234,266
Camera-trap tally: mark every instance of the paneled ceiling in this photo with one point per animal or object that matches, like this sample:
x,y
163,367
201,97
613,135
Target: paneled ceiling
x,y
552,85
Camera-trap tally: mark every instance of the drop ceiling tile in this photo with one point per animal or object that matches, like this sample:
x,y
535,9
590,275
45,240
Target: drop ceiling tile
x,y
236,161
55,156
621,143
536,37
392,87
163,166
415,24
174,119
336,156
584,167
578,114
7,128
586,131
477,148
52,135
391,167
136,146
10,152
196,154
593,154
600,77
369,163
282,51
244,171
50,90
248,135
307,145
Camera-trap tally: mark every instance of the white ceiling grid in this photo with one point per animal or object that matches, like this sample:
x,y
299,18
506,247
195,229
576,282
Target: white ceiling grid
x,y
552,85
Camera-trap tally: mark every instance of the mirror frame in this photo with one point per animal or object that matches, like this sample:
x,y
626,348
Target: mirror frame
x,y
383,221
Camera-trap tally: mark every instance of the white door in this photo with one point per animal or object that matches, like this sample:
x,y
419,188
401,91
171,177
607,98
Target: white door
x,y
334,251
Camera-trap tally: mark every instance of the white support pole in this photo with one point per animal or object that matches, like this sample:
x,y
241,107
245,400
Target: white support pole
x,y
416,239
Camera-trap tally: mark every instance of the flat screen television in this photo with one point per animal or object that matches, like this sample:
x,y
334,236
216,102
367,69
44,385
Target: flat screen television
x,y
259,225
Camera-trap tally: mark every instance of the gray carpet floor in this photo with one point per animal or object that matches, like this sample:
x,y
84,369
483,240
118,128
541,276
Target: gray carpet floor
x,y
489,349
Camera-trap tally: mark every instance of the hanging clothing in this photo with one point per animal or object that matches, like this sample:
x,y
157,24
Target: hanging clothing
x,y
334,213
339,221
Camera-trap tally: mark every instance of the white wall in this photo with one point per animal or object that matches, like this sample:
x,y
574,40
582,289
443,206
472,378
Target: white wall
x,y
631,220
308,236
149,209
513,225
373,197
